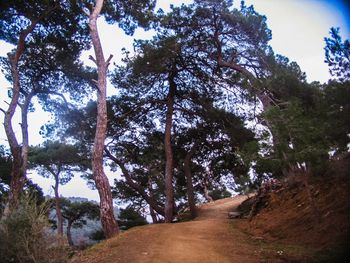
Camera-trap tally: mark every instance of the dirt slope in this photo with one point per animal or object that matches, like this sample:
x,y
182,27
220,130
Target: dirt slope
x,y
288,228
210,238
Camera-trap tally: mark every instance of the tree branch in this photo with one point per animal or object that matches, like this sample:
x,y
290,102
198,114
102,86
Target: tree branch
x,y
134,185
93,59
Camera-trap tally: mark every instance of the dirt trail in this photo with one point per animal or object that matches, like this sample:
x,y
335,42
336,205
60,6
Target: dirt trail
x,y
208,239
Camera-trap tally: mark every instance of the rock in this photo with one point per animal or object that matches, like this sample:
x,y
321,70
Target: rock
x,y
233,215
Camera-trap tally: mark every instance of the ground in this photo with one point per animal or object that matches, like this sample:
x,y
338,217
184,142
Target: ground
x,y
286,228
209,238
315,229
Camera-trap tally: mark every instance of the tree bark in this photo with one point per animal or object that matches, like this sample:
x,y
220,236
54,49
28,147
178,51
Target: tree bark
x,y
189,183
109,223
19,153
151,210
205,185
69,234
169,160
58,204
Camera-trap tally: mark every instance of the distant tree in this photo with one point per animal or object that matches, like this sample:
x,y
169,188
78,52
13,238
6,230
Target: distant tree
x,y
337,55
129,218
60,161
220,193
76,214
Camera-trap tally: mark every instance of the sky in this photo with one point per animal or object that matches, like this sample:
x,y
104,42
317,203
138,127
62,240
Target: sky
x,y
298,31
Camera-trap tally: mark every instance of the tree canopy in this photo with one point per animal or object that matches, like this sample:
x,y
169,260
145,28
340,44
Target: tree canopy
x,y
203,109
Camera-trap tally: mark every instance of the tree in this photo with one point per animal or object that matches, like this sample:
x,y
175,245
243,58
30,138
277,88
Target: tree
x,y
114,12
42,34
337,55
109,223
335,108
157,78
129,218
60,161
76,214
233,45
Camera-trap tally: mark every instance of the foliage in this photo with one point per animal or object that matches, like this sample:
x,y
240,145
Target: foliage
x,y
337,55
218,193
25,236
129,218
336,109
216,64
97,235
77,212
58,159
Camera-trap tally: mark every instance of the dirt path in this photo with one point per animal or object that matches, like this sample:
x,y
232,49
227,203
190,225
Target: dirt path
x,y
208,239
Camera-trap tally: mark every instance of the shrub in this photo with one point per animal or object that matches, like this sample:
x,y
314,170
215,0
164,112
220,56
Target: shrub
x,y
25,236
220,193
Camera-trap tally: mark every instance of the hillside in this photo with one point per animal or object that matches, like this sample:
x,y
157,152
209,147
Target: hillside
x,y
308,229
285,229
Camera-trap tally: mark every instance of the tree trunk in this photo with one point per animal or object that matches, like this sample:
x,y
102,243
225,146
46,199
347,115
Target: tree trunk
x,y
109,223
189,183
19,153
169,163
206,194
69,234
153,215
58,206
205,185
151,210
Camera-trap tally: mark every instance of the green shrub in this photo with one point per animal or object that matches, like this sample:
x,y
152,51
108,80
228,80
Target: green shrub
x,y
26,237
220,193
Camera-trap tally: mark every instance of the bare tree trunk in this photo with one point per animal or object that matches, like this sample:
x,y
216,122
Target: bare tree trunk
x,y
58,206
205,186
189,183
151,210
17,181
19,153
109,223
153,215
69,234
206,194
169,163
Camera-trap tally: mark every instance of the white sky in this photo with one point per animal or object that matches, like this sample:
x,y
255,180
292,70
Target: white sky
x,y
298,28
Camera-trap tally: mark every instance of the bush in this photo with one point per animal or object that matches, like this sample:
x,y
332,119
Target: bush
x,y
220,193
97,235
129,218
25,236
